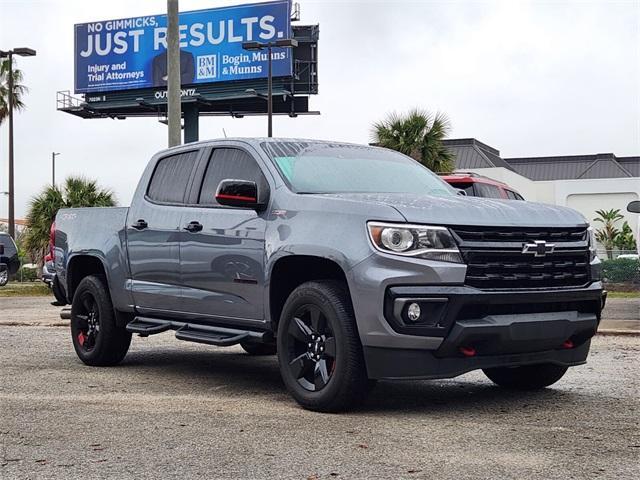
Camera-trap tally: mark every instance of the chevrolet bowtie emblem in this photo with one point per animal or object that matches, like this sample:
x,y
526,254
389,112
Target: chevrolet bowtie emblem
x,y
539,248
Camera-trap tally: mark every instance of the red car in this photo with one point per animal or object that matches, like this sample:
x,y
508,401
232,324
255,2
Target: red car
x,y
476,185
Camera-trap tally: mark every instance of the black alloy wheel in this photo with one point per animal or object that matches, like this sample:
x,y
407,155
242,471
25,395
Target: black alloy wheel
x,y
319,350
311,348
97,338
87,321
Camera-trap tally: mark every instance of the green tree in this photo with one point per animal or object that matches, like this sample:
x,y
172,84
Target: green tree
x,y
625,240
609,232
18,89
418,134
76,192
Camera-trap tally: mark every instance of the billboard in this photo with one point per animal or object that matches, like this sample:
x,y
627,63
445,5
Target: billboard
x,y
131,53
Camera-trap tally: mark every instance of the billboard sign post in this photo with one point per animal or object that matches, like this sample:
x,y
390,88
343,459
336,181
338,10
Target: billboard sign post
x,y
131,53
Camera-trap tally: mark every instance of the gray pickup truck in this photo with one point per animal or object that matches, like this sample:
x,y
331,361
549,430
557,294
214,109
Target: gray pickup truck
x,y
352,263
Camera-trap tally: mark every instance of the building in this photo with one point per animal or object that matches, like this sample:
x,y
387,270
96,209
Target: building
x,y
584,182
20,225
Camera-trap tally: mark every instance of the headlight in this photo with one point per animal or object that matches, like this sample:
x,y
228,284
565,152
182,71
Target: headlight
x,y
592,244
421,241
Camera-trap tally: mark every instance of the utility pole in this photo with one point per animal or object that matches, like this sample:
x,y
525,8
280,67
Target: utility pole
x,y
53,168
174,107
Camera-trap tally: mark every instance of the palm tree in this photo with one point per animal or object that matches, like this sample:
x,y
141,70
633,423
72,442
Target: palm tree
x,y
608,234
418,134
76,192
18,90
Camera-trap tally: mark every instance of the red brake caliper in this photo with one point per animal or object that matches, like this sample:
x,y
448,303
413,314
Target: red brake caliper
x,y
81,338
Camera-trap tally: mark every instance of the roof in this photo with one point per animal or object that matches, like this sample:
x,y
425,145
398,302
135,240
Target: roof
x,y
600,165
469,177
17,221
471,154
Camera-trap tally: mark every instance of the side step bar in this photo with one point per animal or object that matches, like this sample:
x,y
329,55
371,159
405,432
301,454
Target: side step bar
x,y
145,327
219,336
211,338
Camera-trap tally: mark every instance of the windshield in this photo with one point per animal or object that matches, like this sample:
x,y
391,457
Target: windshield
x,y
309,167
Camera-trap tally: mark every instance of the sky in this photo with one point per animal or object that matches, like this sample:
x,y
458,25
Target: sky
x,y
528,78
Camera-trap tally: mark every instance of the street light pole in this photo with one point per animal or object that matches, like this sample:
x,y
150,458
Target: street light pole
x,y
12,214
25,52
53,168
284,43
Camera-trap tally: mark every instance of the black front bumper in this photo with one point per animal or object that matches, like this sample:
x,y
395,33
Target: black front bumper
x,y
483,329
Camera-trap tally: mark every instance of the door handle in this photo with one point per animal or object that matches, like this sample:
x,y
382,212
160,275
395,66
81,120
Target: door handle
x,y
140,225
193,227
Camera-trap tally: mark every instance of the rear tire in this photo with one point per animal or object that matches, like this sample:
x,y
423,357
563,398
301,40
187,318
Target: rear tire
x,y
527,377
58,293
4,277
259,349
319,349
97,339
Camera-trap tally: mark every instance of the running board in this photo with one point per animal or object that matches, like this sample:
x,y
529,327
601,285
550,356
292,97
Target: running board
x,y
209,334
146,327
220,339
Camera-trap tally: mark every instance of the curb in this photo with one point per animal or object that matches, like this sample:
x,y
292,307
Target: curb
x,y
34,324
612,332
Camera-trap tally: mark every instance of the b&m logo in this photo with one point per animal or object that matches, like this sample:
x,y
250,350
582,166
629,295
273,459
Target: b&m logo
x,y
206,67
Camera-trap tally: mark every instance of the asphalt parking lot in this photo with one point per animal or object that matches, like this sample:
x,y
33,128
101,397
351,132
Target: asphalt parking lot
x,y
175,409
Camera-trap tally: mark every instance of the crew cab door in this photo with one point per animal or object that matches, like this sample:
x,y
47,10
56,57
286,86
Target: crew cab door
x,y
154,233
222,257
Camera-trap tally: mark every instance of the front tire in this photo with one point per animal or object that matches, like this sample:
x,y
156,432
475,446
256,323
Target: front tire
x,y
97,339
527,377
319,350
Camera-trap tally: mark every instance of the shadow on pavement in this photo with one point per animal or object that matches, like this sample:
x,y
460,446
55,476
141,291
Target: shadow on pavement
x,y
240,374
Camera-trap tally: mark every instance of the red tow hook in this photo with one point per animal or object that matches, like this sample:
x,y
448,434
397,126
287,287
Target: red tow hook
x,y
568,344
468,351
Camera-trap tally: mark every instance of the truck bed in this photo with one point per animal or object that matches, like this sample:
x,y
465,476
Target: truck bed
x,y
99,232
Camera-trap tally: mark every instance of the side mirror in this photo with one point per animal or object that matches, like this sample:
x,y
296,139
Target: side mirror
x,y
239,193
634,207
461,192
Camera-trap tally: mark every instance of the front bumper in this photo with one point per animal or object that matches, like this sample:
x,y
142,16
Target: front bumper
x,y
483,329
405,364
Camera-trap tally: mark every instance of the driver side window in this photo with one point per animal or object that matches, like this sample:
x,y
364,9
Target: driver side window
x,y
229,163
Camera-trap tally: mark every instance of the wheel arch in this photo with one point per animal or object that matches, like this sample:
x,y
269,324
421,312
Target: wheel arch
x,y
290,271
81,266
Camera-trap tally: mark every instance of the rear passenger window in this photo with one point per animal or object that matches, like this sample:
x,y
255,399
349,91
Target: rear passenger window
x,y
488,191
229,163
171,178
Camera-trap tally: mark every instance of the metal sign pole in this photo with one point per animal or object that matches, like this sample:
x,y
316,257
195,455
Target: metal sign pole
x,y
174,110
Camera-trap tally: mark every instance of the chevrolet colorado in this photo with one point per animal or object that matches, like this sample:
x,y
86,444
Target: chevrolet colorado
x,y
352,263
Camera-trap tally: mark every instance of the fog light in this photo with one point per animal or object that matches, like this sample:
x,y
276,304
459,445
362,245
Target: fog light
x,y
413,312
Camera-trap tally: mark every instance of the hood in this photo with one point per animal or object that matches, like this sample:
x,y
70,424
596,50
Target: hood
x,y
459,210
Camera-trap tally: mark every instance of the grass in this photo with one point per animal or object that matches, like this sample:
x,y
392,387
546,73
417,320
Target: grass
x,y
26,289
635,294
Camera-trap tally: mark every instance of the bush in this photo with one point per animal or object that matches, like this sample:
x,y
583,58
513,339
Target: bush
x,y
621,270
26,274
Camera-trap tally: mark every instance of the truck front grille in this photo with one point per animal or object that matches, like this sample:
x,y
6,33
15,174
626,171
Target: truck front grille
x,y
496,260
